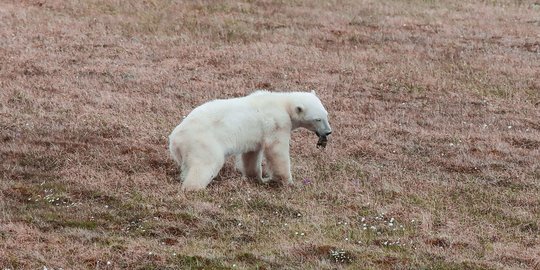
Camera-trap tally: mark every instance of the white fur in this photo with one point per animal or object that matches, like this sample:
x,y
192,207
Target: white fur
x,y
248,127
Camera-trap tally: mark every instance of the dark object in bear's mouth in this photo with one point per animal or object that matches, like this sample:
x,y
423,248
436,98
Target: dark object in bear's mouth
x,y
322,141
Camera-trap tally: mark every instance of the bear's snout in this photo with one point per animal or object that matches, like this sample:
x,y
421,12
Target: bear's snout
x,y
323,134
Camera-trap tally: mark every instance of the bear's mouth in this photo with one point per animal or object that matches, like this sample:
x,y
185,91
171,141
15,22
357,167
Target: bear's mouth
x,y
322,141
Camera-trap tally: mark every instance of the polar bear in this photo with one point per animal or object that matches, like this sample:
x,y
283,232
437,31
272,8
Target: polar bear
x,y
248,128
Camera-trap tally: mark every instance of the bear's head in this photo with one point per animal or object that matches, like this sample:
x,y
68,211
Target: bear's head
x,y
310,114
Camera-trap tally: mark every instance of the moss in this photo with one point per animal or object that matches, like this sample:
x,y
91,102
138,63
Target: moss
x,y
441,264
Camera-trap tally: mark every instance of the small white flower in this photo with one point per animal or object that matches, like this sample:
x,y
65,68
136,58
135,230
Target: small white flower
x,y
108,262
302,234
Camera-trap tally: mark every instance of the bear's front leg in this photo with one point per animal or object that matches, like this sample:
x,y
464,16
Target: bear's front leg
x,y
278,159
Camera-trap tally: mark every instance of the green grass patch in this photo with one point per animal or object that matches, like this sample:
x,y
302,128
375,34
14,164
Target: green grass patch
x,y
197,262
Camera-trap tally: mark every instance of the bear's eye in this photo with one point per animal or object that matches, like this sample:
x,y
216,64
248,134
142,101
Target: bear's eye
x,y
318,120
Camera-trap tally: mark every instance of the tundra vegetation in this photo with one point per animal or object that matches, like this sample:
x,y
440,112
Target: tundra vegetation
x,y
433,162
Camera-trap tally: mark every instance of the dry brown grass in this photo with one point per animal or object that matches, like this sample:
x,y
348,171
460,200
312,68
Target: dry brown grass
x,y
435,107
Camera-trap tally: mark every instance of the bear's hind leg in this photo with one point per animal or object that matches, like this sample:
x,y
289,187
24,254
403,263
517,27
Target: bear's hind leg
x,y
175,151
200,174
176,154
252,164
183,171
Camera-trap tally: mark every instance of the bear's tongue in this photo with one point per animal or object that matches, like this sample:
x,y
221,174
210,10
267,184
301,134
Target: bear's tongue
x,y
322,141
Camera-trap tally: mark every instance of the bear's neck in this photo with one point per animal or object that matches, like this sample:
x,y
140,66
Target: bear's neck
x,y
280,102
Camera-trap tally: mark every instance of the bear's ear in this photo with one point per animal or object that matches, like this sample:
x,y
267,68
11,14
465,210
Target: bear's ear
x,y
299,109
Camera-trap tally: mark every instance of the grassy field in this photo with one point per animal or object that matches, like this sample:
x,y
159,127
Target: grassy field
x,y
433,162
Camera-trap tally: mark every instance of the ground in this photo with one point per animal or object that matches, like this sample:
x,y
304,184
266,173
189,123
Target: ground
x,y
433,162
